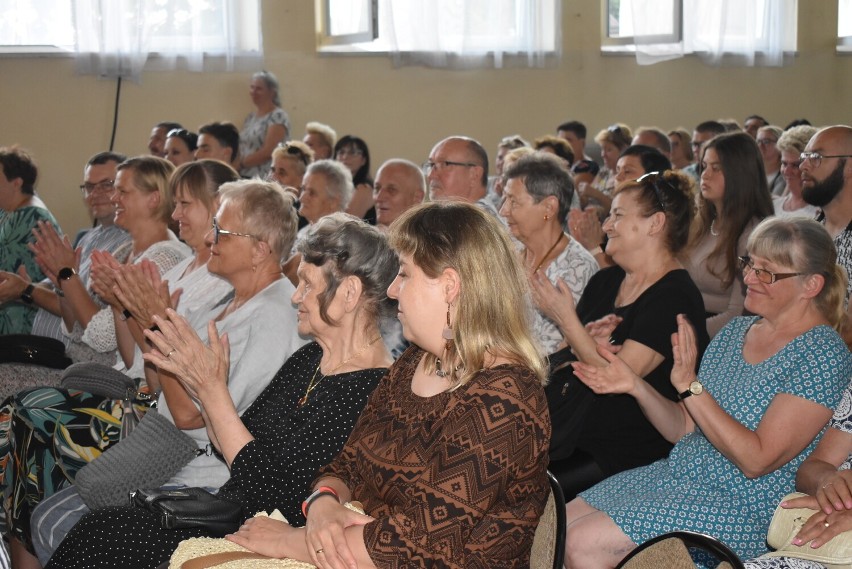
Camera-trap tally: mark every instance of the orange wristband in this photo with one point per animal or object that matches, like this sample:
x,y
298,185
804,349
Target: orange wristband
x,y
321,491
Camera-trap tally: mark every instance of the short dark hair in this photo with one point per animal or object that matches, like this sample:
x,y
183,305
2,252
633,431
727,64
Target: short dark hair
x,y
362,176
225,133
17,163
188,137
168,125
104,157
798,122
758,117
711,126
576,127
652,159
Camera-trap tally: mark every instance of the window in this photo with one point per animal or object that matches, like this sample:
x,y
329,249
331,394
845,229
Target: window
x,y
844,25
115,38
750,31
444,32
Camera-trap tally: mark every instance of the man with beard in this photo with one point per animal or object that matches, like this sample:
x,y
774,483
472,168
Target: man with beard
x,y
826,169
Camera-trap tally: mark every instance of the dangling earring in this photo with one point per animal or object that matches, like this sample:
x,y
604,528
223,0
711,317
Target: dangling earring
x,y
447,334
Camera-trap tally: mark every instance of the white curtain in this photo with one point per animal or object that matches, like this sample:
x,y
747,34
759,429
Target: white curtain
x,y
738,32
471,33
114,38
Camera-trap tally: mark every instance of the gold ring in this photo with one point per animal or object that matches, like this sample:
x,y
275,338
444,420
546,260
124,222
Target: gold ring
x,y
170,353
320,550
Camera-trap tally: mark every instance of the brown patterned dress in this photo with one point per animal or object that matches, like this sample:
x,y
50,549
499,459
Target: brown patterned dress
x,y
454,480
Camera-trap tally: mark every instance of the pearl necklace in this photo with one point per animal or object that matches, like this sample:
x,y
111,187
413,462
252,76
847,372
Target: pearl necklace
x,y
713,231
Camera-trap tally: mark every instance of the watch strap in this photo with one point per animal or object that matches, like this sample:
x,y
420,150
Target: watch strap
x,y
27,294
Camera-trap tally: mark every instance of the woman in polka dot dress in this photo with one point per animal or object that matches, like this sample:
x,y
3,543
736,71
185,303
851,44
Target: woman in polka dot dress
x,y
764,392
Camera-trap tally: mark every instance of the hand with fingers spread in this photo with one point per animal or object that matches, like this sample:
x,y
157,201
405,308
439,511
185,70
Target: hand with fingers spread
x,y
615,377
325,538
102,277
601,330
143,293
202,369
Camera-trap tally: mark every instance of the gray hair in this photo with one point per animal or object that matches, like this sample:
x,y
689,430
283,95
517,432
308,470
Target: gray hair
x,y
795,139
267,210
271,82
338,179
544,175
343,245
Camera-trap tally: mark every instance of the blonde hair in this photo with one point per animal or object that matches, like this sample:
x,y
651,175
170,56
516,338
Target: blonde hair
x,y
151,174
493,311
805,246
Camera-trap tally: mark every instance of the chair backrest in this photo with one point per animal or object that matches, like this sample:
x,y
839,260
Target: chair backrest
x,y
671,550
548,549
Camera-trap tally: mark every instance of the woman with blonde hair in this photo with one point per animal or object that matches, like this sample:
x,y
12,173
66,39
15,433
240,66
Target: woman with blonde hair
x,y
745,422
448,405
613,140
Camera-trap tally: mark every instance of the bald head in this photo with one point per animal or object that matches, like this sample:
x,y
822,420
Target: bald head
x,y
399,185
459,169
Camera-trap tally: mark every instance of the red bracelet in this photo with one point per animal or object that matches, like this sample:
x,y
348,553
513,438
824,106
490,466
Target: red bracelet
x,y
321,491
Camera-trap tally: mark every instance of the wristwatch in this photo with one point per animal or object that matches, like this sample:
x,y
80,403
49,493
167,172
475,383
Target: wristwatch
x,y
695,388
27,295
64,274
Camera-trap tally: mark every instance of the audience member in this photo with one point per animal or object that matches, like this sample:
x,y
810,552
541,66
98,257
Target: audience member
x,y
321,138
181,145
495,182
584,172
826,166
797,122
556,146
681,142
97,187
613,140
731,124
637,301
218,141
454,260
353,152
290,160
791,144
264,128
767,141
702,133
753,123
537,196
458,168
749,418
157,140
655,138
575,133
734,198
400,185
21,211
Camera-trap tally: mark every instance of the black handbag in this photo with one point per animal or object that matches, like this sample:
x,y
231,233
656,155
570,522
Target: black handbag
x,y
31,349
569,401
190,508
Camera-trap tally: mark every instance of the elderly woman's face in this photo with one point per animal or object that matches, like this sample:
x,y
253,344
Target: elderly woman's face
x,y
315,201
767,299
609,153
523,216
286,172
306,297
233,253
628,168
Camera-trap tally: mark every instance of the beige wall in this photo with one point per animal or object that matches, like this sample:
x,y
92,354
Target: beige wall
x,y
64,118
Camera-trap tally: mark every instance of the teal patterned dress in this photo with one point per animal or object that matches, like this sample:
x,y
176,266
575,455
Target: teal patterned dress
x,y
16,232
696,488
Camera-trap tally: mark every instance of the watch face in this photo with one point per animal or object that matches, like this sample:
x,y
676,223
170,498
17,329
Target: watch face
x,y
66,273
696,388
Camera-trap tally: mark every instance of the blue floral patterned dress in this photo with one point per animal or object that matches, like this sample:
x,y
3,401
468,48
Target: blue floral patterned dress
x,y
697,488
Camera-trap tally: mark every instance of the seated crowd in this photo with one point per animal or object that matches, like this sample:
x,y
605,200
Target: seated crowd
x,y
663,330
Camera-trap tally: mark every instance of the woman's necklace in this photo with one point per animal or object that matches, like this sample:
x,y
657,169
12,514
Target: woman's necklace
x,y
549,251
315,382
713,231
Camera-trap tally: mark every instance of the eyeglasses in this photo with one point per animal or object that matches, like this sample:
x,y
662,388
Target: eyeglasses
x,y
816,157
217,231
766,141
655,178
764,276
106,186
348,152
428,166
294,150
